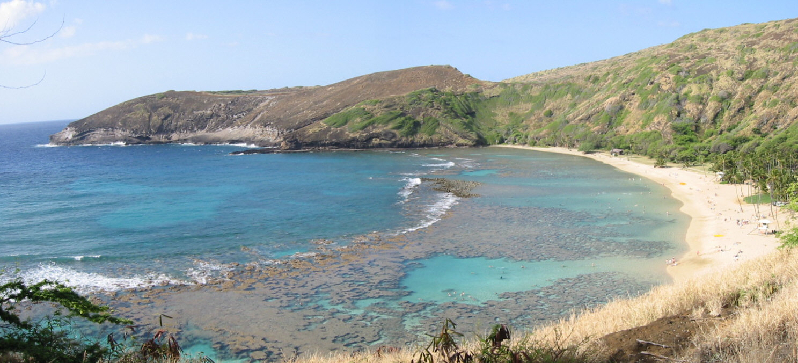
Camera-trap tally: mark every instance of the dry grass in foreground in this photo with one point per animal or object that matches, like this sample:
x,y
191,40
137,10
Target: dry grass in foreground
x,y
742,314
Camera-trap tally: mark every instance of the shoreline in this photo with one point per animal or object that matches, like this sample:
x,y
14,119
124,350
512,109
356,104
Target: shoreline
x,y
714,238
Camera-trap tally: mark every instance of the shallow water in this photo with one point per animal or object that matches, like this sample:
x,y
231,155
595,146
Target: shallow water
x,y
266,254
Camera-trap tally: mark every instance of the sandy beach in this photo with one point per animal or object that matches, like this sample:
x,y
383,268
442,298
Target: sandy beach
x,y
723,228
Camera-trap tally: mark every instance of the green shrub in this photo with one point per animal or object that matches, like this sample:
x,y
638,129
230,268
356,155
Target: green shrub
x,y
789,239
429,125
49,340
406,126
371,102
342,118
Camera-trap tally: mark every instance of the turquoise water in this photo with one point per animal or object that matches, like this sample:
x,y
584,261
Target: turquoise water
x,y
477,280
157,210
548,231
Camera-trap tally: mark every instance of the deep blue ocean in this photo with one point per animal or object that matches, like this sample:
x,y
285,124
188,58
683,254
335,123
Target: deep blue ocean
x,y
106,218
115,216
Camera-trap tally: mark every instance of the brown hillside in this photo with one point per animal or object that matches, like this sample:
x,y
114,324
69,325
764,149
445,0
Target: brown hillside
x,y
305,107
258,117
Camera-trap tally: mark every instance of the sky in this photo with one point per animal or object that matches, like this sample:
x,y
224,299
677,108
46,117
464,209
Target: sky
x,y
89,55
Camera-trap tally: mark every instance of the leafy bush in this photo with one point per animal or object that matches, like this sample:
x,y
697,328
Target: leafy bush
x,y
49,340
343,118
406,126
429,125
587,146
789,239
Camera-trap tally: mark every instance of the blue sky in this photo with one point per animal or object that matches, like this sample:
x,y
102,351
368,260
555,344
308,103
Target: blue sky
x,y
110,51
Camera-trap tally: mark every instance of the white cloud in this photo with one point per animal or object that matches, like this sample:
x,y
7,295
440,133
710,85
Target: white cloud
x,y
26,55
151,38
193,36
444,5
13,12
70,30
67,31
30,55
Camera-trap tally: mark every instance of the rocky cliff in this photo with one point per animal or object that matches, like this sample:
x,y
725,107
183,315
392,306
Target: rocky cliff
x,y
291,118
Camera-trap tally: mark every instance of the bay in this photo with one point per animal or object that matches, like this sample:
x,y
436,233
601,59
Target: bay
x,y
546,230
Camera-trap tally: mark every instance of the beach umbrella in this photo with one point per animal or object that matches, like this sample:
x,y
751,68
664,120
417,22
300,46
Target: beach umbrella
x,y
765,221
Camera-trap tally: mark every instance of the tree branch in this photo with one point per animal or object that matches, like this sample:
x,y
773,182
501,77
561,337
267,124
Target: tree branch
x,y
27,86
4,38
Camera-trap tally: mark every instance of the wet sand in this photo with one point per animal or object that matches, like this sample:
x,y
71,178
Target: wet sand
x,y
723,228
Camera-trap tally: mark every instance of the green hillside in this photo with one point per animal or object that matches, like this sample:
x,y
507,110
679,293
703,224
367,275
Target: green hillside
x,y
708,92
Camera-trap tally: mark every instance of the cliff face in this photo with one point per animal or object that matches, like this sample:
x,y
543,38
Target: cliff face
x,y
287,117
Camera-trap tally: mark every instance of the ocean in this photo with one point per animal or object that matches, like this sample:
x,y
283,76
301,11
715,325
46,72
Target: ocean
x,y
342,250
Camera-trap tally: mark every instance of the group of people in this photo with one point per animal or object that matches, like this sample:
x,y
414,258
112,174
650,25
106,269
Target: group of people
x,y
672,261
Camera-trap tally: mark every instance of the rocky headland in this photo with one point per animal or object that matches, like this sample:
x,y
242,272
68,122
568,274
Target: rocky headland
x,y
290,118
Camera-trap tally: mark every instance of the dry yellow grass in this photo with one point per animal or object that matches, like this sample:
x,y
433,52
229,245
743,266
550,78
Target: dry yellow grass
x,y
764,290
709,292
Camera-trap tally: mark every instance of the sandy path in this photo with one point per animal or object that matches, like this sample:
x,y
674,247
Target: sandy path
x,y
714,237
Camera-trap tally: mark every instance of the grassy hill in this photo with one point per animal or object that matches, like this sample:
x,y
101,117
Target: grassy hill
x,y
705,93
714,90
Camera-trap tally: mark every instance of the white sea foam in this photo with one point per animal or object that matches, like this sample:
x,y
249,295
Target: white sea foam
x,y
80,258
115,143
410,186
445,165
435,211
204,271
47,145
85,283
466,163
241,144
238,144
304,254
440,163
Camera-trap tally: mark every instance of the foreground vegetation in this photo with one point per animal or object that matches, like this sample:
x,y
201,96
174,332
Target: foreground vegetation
x,y
58,337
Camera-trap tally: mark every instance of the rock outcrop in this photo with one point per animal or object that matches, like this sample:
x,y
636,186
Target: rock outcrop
x,y
287,118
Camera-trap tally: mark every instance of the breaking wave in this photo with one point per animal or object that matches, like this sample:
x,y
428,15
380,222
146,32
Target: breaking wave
x,y
88,282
